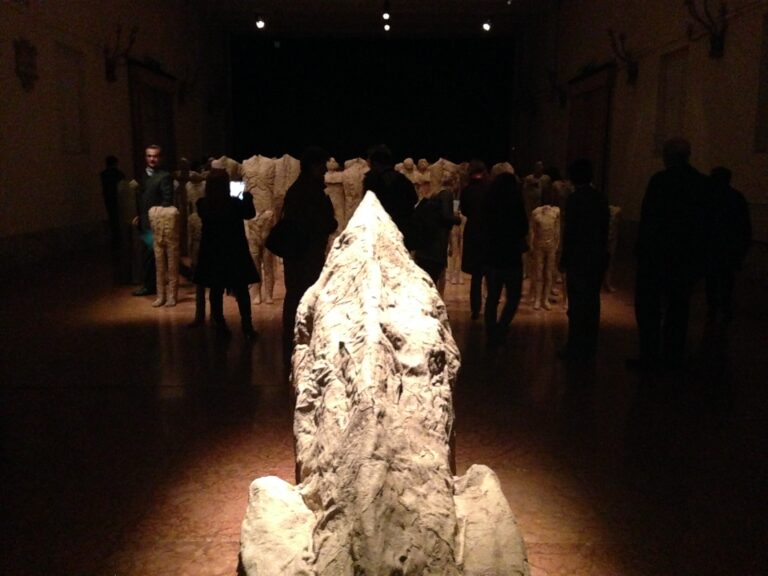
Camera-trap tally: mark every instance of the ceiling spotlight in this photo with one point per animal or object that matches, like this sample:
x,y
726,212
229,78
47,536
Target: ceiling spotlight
x,y
487,25
385,13
386,27
260,23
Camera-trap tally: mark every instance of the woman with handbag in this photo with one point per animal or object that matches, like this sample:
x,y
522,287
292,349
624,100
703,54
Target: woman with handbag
x,y
225,261
307,221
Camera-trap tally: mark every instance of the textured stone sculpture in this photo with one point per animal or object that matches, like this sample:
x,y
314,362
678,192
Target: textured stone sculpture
x,y
287,170
545,240
165,222
233,167
408,169
502,168
373,368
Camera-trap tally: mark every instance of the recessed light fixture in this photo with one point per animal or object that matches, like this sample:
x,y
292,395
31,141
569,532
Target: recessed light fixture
x,y
386,27
260,23
487,25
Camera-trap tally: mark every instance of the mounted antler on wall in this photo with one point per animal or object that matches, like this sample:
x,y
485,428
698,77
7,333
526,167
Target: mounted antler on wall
x,y
714,27
115,55
624,56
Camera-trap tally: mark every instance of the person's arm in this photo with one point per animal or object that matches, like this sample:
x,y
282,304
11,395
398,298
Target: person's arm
x,y
247,209
570,227
166,190
447,216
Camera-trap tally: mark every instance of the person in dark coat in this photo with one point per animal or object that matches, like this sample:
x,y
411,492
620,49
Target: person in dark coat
x,y
507,230
309,207
394,191
670,253
729,242
471,206
155,189
111,177
584,260
225,261
434,215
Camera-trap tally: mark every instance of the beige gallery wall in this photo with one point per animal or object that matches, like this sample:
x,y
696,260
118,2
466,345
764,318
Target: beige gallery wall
x,y
49,187
721,100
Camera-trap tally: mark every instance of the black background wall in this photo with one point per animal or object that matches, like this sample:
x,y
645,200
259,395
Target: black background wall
x,y
424,98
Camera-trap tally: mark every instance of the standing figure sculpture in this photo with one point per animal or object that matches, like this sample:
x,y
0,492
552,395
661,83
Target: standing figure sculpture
x,y
166,231
259,177
545,241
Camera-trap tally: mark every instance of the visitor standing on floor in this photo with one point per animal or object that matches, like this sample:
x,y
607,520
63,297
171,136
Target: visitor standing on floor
x,y
394,191
310,210
224,261
155,189
471,205
584,260
111,177
505,242
670,252
729,242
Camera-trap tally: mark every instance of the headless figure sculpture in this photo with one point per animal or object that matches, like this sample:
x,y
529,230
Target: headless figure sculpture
x,y
535,185
165,222
545,239
259,177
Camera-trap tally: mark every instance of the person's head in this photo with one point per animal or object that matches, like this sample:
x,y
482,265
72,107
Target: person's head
x,y
153,156
477,170
580,172
313,162
721,176
507,184
553,173
379,158
111,161
217,184
676,152
538,168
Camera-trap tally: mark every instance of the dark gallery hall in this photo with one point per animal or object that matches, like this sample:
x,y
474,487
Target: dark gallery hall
x,y
133,422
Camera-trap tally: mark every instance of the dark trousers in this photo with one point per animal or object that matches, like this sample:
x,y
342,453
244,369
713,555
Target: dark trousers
x,y
476,293
434,269
661,311
299,274
719,288
148,271
583,312
511,280
216,298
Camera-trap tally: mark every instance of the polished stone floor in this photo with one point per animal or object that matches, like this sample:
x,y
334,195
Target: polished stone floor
x,y
129,441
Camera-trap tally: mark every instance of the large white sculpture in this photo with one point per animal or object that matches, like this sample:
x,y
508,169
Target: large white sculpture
x,y
165,223
545,239
373,368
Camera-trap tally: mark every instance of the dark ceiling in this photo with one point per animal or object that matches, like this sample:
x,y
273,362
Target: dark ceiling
x,y
363,18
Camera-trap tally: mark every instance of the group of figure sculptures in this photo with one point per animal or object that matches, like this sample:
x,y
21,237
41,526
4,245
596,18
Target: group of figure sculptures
x,y
268,179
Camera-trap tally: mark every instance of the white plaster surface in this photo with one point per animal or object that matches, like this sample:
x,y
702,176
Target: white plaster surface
x,y
373,369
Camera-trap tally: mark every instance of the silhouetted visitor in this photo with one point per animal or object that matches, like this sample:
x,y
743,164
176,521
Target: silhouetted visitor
x,y
505,242
394,191
471,205
311,211
155,189
433,219
670,252
111,177
584,260
225,262
730,237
